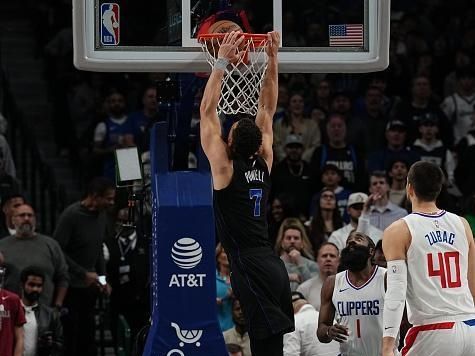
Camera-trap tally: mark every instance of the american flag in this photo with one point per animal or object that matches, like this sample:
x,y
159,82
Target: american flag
x,y
346,35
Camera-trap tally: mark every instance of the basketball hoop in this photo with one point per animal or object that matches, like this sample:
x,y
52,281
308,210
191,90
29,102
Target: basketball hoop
x,y
242,78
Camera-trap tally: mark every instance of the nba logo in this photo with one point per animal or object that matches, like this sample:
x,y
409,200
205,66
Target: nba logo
x,y
110,25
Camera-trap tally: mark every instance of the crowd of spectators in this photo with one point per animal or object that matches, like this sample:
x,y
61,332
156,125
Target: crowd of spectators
x,y
343,145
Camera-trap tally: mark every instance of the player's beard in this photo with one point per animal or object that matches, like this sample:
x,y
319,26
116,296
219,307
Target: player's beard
x,y
355,257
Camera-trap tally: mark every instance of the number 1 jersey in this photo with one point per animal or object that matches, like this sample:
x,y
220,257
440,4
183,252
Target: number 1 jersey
x,y
437,263
361,310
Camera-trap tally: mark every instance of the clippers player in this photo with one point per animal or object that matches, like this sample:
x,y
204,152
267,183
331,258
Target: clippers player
x,y
355,298
430,255
240,170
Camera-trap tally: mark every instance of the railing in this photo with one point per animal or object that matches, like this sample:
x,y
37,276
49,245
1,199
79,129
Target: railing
x,y
37,178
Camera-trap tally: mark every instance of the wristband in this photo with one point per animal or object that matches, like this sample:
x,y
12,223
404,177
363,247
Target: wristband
x,y
221,63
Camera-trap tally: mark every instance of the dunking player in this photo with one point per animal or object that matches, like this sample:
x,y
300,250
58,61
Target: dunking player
x,y
356,297
430,254
240,170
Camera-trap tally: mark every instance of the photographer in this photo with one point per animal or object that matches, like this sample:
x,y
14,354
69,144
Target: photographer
x,y
43,332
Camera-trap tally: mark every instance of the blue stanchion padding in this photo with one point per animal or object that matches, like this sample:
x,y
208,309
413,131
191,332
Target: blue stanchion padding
x,y
184,319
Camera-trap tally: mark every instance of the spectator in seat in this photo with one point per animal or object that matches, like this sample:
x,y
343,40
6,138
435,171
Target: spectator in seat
x,y
459,107
462,59
356,202
398,176
328,258
295,122
292,175
341,104
396,149
378,210
295,250
431,149
339,153
375,120
238,334
282,207
303,340
322,95
420,104
331,179
224,291
325,219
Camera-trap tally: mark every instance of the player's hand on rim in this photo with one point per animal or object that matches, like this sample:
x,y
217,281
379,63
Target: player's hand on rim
x,y
337,332
273,43
229,48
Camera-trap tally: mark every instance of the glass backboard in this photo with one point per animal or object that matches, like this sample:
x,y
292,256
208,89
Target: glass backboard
x,y
160,35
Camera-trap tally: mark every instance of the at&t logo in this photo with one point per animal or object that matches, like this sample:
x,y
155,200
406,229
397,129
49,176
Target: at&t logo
x,y
187,254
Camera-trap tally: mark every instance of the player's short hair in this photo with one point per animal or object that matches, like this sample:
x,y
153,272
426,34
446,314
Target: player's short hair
x,y
426,178
246,139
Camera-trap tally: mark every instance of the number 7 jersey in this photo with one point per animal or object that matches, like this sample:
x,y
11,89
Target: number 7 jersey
x,y
437,264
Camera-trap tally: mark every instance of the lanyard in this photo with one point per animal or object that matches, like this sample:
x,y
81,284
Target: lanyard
x,y
131,243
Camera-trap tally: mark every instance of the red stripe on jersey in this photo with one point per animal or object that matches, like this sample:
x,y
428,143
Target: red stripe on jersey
x,y
414,331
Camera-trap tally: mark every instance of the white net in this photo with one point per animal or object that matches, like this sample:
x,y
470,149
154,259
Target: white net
x,y
242,79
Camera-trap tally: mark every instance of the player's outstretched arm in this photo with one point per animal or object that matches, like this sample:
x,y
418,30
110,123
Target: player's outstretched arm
x,y
210,126
268,97
396,241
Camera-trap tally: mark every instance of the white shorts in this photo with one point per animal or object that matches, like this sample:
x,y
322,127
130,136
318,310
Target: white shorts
x,y
441,339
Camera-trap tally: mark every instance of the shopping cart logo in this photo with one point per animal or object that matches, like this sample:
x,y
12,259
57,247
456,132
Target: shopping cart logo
x,y
110,24
187,253
187,336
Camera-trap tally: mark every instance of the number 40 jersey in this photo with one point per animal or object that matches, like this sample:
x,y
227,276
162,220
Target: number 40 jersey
x,y
437,263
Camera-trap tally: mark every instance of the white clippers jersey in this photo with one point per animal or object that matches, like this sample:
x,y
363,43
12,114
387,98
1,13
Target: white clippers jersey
x,y
361,310
437,263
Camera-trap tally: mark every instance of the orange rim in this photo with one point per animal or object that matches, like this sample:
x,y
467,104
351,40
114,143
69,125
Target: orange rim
x,y
259,39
